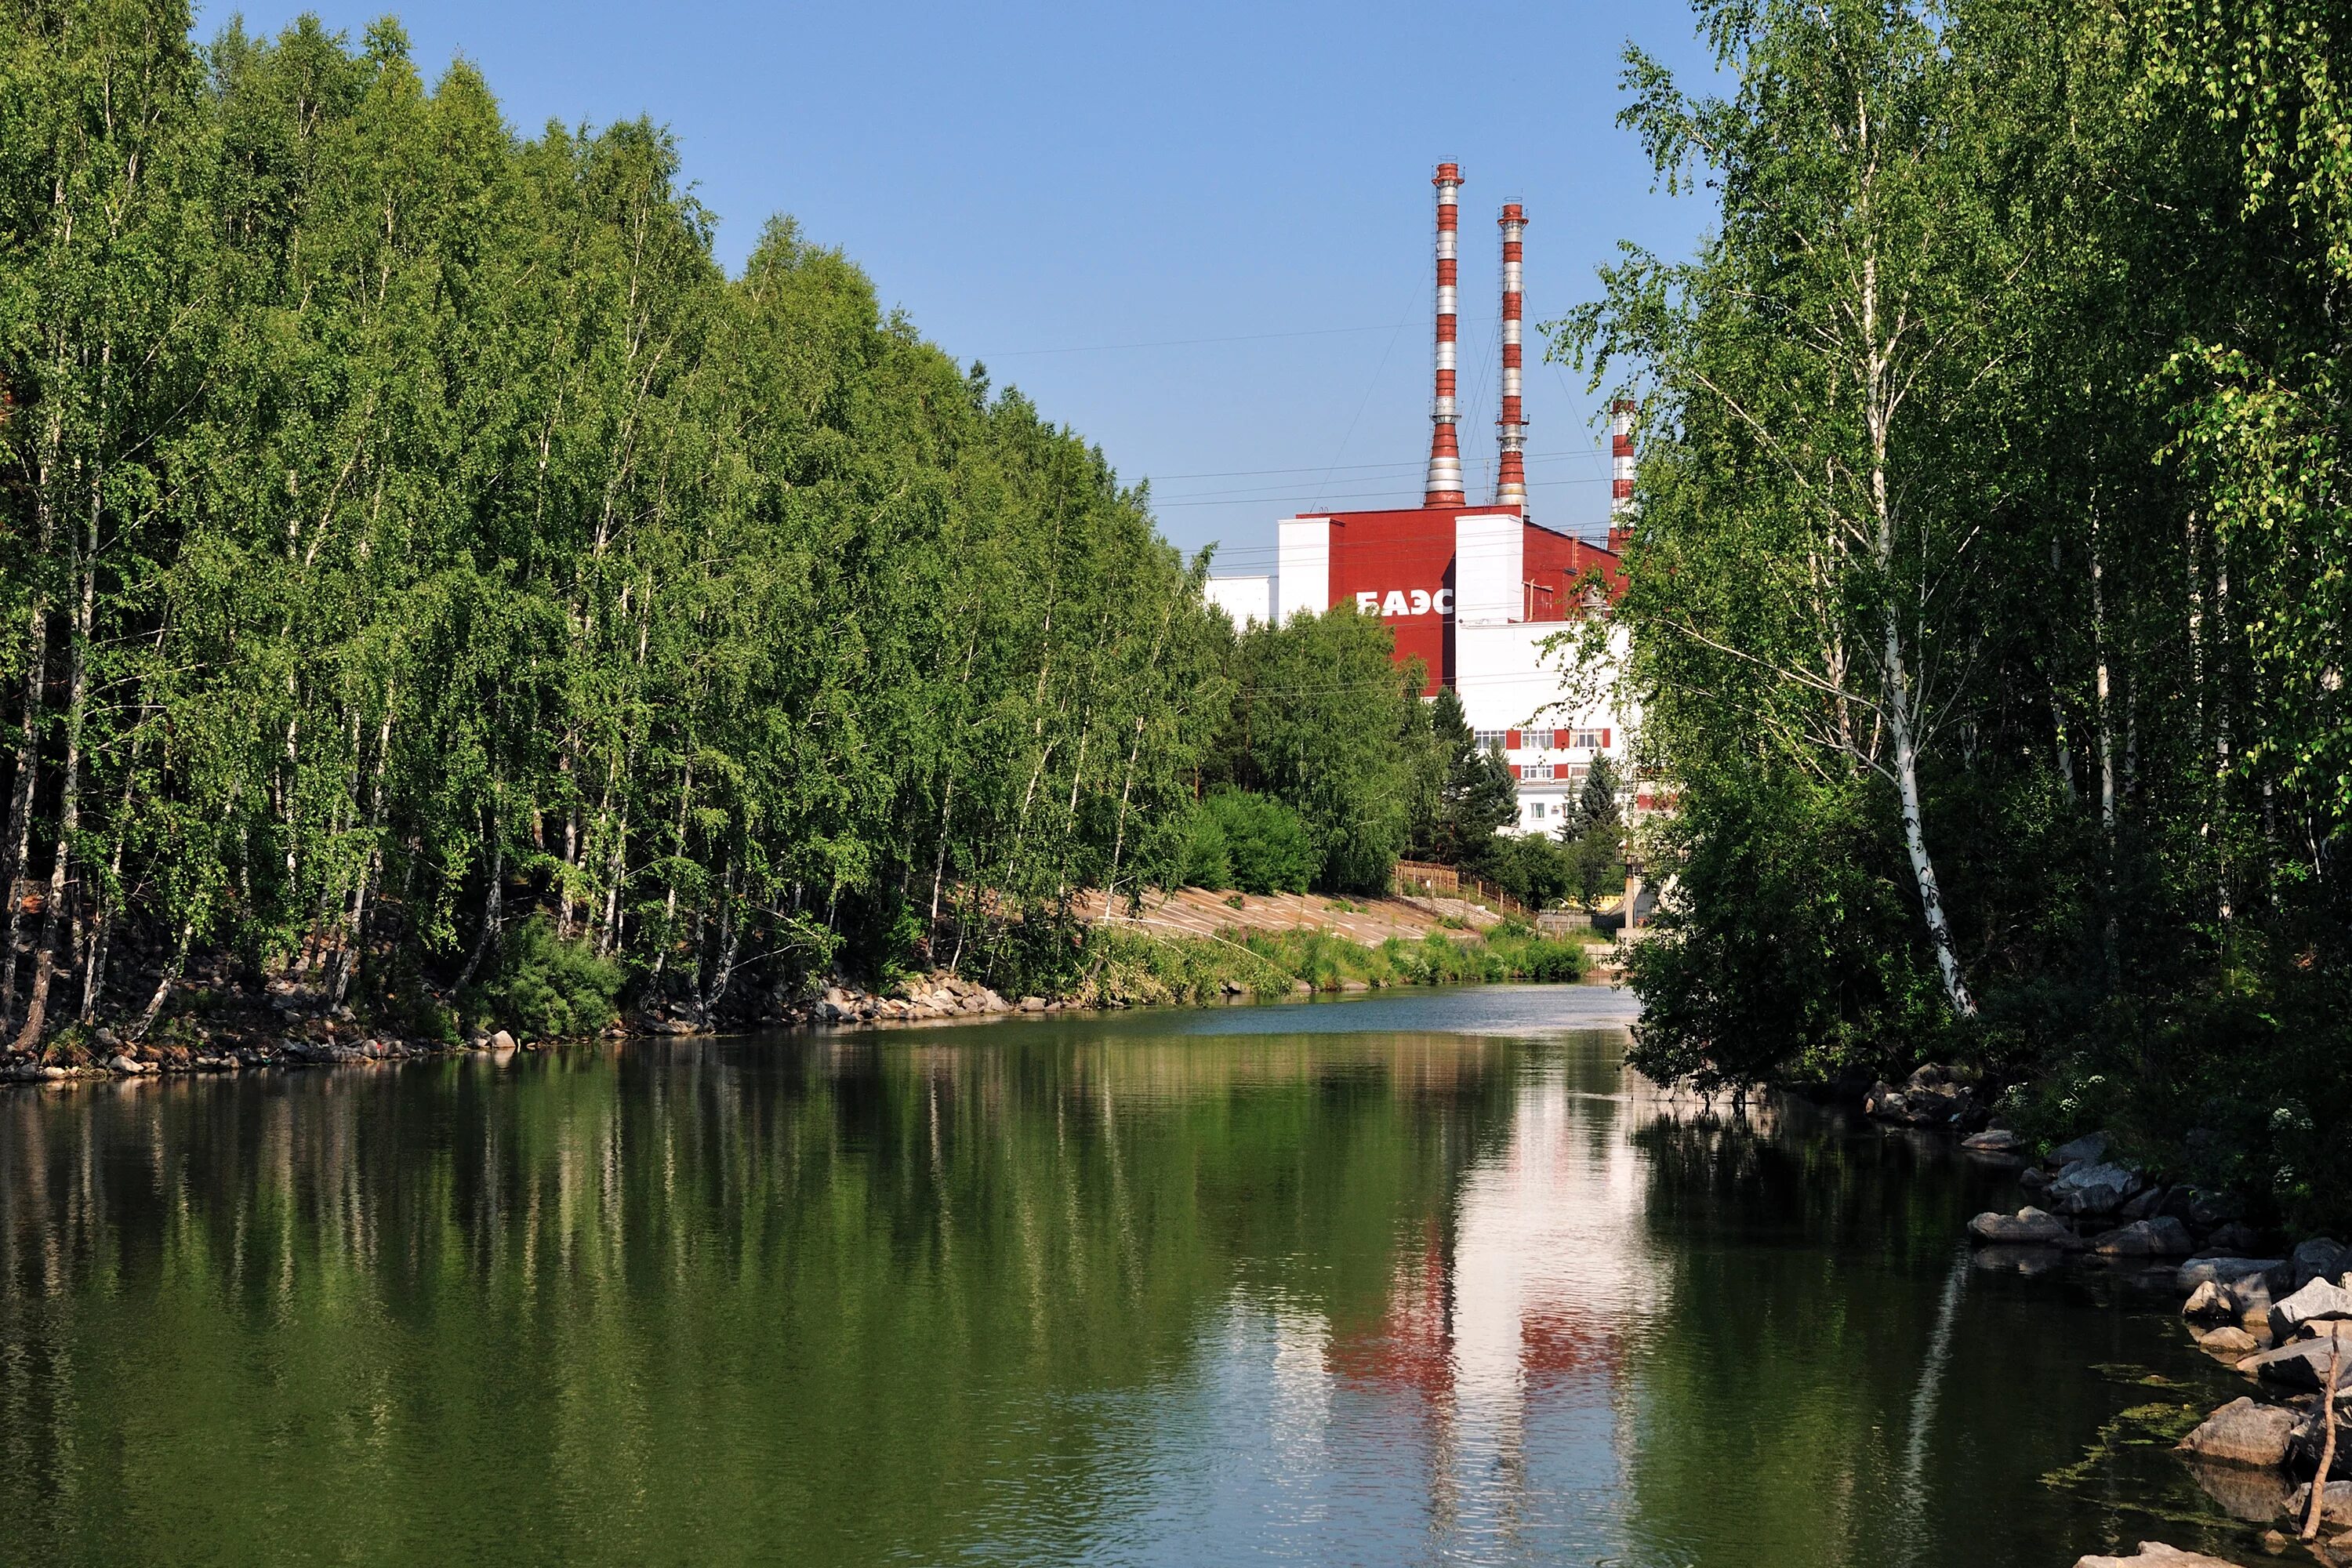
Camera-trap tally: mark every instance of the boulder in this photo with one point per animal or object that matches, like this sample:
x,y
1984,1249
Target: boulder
x,y
2087,1189
2301,1365
2207,1210
2302,1454
1033,1003
502,1041
2229,1271
2234,1235
2026,1227
1994,1141
122,1063
2319,1302
2087,1150
2321,1258
2230,1342
2243,1432
2034,1181
1929,1100
2147,1205
2155,1554
2211,1302
2162,1237
2336,1508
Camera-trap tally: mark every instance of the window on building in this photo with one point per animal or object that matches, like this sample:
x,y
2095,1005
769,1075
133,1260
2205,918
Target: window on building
x,y
1535,771
1589,740
1491,739
1534,811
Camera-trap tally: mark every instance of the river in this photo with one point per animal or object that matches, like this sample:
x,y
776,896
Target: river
x,y
1416,1278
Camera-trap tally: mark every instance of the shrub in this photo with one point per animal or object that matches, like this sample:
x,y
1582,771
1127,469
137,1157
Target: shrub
x,y
1536,870
1250,842
547,989
1208,862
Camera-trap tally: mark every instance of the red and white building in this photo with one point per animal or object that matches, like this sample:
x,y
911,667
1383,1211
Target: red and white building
x,y
1474,592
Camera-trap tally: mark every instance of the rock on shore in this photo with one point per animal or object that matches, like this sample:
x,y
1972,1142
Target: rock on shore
x,y
2318,1301
2163,1237
2028,1228
2155,1554
2244,1433
2093,1189
2335,1510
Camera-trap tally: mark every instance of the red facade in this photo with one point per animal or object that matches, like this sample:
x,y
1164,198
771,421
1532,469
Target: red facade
x,y
1403,560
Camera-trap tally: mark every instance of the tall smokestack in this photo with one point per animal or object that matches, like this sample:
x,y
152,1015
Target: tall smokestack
x,y
1444,486
1511,474
1620,469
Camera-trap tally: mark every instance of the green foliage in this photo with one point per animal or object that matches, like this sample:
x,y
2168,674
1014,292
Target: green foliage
x,y
1208,859
1596,801
465,546
1538,871
547,988
1129,965
1251,843
1326,961
1986,600
1595,866
1475,798
1326,723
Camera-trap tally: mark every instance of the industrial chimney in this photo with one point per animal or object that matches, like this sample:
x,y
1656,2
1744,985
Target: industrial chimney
x,y
1621,472
1511,473
1444,486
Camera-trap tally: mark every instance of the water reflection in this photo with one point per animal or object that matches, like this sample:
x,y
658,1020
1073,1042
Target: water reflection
x,y
1425,1280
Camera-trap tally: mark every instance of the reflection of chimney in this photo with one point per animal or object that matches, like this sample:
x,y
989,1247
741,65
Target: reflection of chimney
x,y
1444,486
1511,473
1621,472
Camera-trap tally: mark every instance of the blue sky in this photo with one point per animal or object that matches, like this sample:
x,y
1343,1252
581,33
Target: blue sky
x,y
1080,195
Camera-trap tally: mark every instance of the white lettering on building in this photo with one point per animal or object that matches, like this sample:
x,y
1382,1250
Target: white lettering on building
x,y
1404,602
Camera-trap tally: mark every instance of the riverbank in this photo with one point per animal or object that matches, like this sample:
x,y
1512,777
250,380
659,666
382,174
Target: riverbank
x,y
2278,1316
284,1023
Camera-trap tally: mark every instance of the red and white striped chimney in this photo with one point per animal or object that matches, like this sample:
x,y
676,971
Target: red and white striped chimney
x,y
1444,486
1620,468
1511,473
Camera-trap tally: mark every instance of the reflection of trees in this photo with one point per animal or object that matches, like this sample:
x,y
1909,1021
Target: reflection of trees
x,y
704,1299
1809,1258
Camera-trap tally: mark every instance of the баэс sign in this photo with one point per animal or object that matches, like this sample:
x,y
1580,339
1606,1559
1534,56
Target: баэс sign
x,y
1406,602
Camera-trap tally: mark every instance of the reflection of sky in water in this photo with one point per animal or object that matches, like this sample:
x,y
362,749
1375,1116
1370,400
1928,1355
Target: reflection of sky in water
x,y
1476,1010
1479,1422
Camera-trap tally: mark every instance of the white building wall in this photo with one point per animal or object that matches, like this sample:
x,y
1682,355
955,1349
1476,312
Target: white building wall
x,y
1302,564
1489,561
1249,601
1506,683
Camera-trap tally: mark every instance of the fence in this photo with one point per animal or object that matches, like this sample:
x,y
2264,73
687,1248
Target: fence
x,y
1419,879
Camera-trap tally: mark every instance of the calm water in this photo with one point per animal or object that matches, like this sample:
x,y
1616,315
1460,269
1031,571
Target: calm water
x,y
1382,1282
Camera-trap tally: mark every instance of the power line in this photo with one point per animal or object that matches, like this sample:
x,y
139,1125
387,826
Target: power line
x,y
1188,342
1380,495
1400,469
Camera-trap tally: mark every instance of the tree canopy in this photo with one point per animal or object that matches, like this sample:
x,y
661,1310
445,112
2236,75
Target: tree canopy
x,y
408,532
1988,594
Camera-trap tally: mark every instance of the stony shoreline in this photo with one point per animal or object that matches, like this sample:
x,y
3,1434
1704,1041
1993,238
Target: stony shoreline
x,y
307,1037
2281,1318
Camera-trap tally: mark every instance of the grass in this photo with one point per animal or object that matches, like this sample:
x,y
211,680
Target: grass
x,y
1139,967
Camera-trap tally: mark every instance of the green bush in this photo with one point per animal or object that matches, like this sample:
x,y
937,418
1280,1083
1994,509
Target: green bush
x,y
546,989
1208,860
1538,871
1251,842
